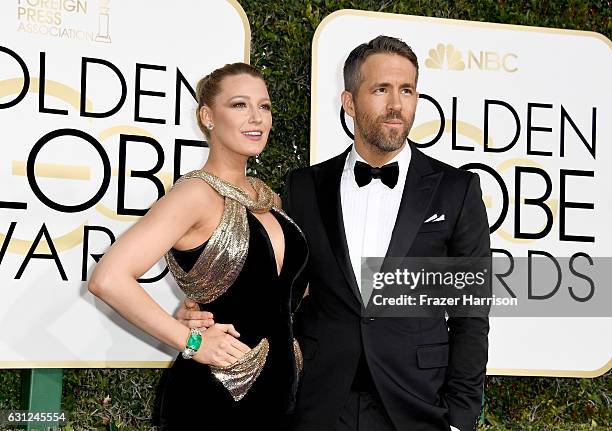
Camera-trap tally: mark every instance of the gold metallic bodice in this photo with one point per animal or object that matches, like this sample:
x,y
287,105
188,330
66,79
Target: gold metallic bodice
x,y
223,257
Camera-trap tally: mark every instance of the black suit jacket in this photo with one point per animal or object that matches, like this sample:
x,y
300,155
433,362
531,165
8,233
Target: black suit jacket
x,y
429,372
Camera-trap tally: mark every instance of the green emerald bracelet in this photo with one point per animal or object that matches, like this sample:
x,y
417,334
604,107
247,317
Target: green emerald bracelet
x,y
194,341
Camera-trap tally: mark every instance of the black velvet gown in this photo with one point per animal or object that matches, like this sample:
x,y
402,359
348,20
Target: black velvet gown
x,y
258,304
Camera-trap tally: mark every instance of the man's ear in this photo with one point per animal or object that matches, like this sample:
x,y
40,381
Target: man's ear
x,y
347,103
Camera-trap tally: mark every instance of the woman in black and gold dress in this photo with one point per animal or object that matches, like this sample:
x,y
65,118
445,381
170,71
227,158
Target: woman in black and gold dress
x,y
232,249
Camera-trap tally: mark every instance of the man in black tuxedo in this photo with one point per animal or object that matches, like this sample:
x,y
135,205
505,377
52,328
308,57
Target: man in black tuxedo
x,y
384,197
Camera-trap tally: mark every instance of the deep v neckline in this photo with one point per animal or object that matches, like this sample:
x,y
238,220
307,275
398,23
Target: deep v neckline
x,y
271,250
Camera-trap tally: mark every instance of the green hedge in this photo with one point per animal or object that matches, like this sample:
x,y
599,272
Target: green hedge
x,y
282,32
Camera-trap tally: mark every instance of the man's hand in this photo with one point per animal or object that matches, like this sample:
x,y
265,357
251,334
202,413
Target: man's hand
x,y
190,315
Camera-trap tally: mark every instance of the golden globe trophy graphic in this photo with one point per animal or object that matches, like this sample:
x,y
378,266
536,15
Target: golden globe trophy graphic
x,y
103,24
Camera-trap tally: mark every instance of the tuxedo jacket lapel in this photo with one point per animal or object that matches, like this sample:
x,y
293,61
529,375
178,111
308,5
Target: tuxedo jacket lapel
x,y
421,185
328,195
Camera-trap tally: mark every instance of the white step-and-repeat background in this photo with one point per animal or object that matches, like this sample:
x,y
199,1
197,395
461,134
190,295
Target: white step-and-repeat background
x,y
96,120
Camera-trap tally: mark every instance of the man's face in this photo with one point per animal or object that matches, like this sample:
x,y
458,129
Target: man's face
x,y
384,104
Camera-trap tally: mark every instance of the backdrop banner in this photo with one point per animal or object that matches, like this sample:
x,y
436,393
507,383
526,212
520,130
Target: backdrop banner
x,y
97,119
528,109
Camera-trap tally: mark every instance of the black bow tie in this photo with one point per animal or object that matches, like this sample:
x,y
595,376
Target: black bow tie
x,y
388,174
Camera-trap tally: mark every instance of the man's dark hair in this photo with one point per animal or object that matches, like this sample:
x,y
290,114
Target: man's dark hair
x,y
378,45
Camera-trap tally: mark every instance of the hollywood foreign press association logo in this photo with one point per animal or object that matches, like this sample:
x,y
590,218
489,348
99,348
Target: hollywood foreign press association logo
x,y
86,20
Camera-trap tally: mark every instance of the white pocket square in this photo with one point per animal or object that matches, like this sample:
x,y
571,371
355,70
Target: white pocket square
x,y
435,218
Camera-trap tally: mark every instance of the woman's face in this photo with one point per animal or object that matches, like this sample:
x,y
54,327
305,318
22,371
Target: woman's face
x,y
241,114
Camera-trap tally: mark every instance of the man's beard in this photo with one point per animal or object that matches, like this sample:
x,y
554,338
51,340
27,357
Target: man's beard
x,y
372,132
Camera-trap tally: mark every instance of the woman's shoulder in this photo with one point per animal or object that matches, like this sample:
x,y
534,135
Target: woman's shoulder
x,y
194,187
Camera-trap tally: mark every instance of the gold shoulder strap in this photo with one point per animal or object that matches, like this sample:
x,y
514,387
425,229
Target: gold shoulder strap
x,y
225,253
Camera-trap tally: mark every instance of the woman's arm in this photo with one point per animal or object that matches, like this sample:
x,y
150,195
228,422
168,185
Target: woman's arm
x,y
190,210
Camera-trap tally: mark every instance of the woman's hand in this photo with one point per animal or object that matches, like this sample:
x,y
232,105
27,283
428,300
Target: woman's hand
x,y
189,314
220,346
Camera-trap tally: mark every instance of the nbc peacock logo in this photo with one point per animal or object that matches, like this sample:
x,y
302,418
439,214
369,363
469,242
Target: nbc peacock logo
x,y
446,56
454,59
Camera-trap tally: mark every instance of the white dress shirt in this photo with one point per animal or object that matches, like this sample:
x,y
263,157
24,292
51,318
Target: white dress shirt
x,y
369,212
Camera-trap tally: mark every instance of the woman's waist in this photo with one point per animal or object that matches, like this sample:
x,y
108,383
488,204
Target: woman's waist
x,y
274,339
257,322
